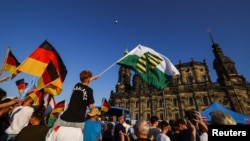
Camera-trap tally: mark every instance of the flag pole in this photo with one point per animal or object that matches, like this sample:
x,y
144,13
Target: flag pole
x,y
30,85
106,69
48,100
102,103
4,61
112,65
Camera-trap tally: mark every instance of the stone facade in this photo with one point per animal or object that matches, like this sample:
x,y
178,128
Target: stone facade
x,y
192,89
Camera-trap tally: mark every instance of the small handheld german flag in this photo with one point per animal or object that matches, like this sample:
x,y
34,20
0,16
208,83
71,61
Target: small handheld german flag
x,y
20,85
10,64
105,105
58,108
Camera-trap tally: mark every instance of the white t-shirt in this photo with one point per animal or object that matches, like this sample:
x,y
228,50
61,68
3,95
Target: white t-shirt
x,y
127,126
19,119
162,137
63,133
204,136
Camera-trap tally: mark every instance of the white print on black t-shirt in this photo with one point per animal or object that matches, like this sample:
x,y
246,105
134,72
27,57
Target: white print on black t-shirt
x,y
84,92
216,132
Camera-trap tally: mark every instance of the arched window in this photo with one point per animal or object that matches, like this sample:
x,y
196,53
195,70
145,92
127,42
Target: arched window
x,y
205,100
189,79
160,103
137,116
175,102
148,103
127,105
191,101
161,116
177,115
148,116
137,104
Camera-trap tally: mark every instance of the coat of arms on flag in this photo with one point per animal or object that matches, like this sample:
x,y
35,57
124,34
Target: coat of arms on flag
x,y
154,68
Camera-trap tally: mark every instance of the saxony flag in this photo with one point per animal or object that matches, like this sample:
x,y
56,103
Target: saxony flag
x,y
154,68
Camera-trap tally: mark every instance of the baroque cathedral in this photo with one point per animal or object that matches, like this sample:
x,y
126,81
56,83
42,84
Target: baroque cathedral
x,y
191,90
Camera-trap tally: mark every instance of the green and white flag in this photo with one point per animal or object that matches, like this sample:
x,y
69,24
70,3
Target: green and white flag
x,y
154,68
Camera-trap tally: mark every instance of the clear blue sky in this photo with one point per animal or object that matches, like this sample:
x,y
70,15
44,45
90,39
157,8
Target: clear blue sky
x,y
86,36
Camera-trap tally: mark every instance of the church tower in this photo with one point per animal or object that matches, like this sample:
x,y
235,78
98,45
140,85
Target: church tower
x,y
124,77
228,77
225,67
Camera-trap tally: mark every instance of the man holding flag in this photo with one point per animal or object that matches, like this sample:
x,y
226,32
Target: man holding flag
x,y
69,124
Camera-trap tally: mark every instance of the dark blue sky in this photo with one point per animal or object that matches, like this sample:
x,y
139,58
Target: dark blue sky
x,y
86,36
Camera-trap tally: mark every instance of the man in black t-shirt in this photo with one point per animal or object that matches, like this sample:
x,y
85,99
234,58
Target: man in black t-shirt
x,y
74,116
119,129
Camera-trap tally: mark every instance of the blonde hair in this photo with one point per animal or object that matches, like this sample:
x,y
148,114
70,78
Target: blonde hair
x,y
142,127
221,118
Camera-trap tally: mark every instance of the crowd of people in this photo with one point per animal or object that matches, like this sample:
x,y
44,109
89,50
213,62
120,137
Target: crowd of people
x,y
18,116
20,120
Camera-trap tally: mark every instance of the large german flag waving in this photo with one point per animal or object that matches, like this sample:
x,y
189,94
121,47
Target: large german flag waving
x,y
50,80
46,63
